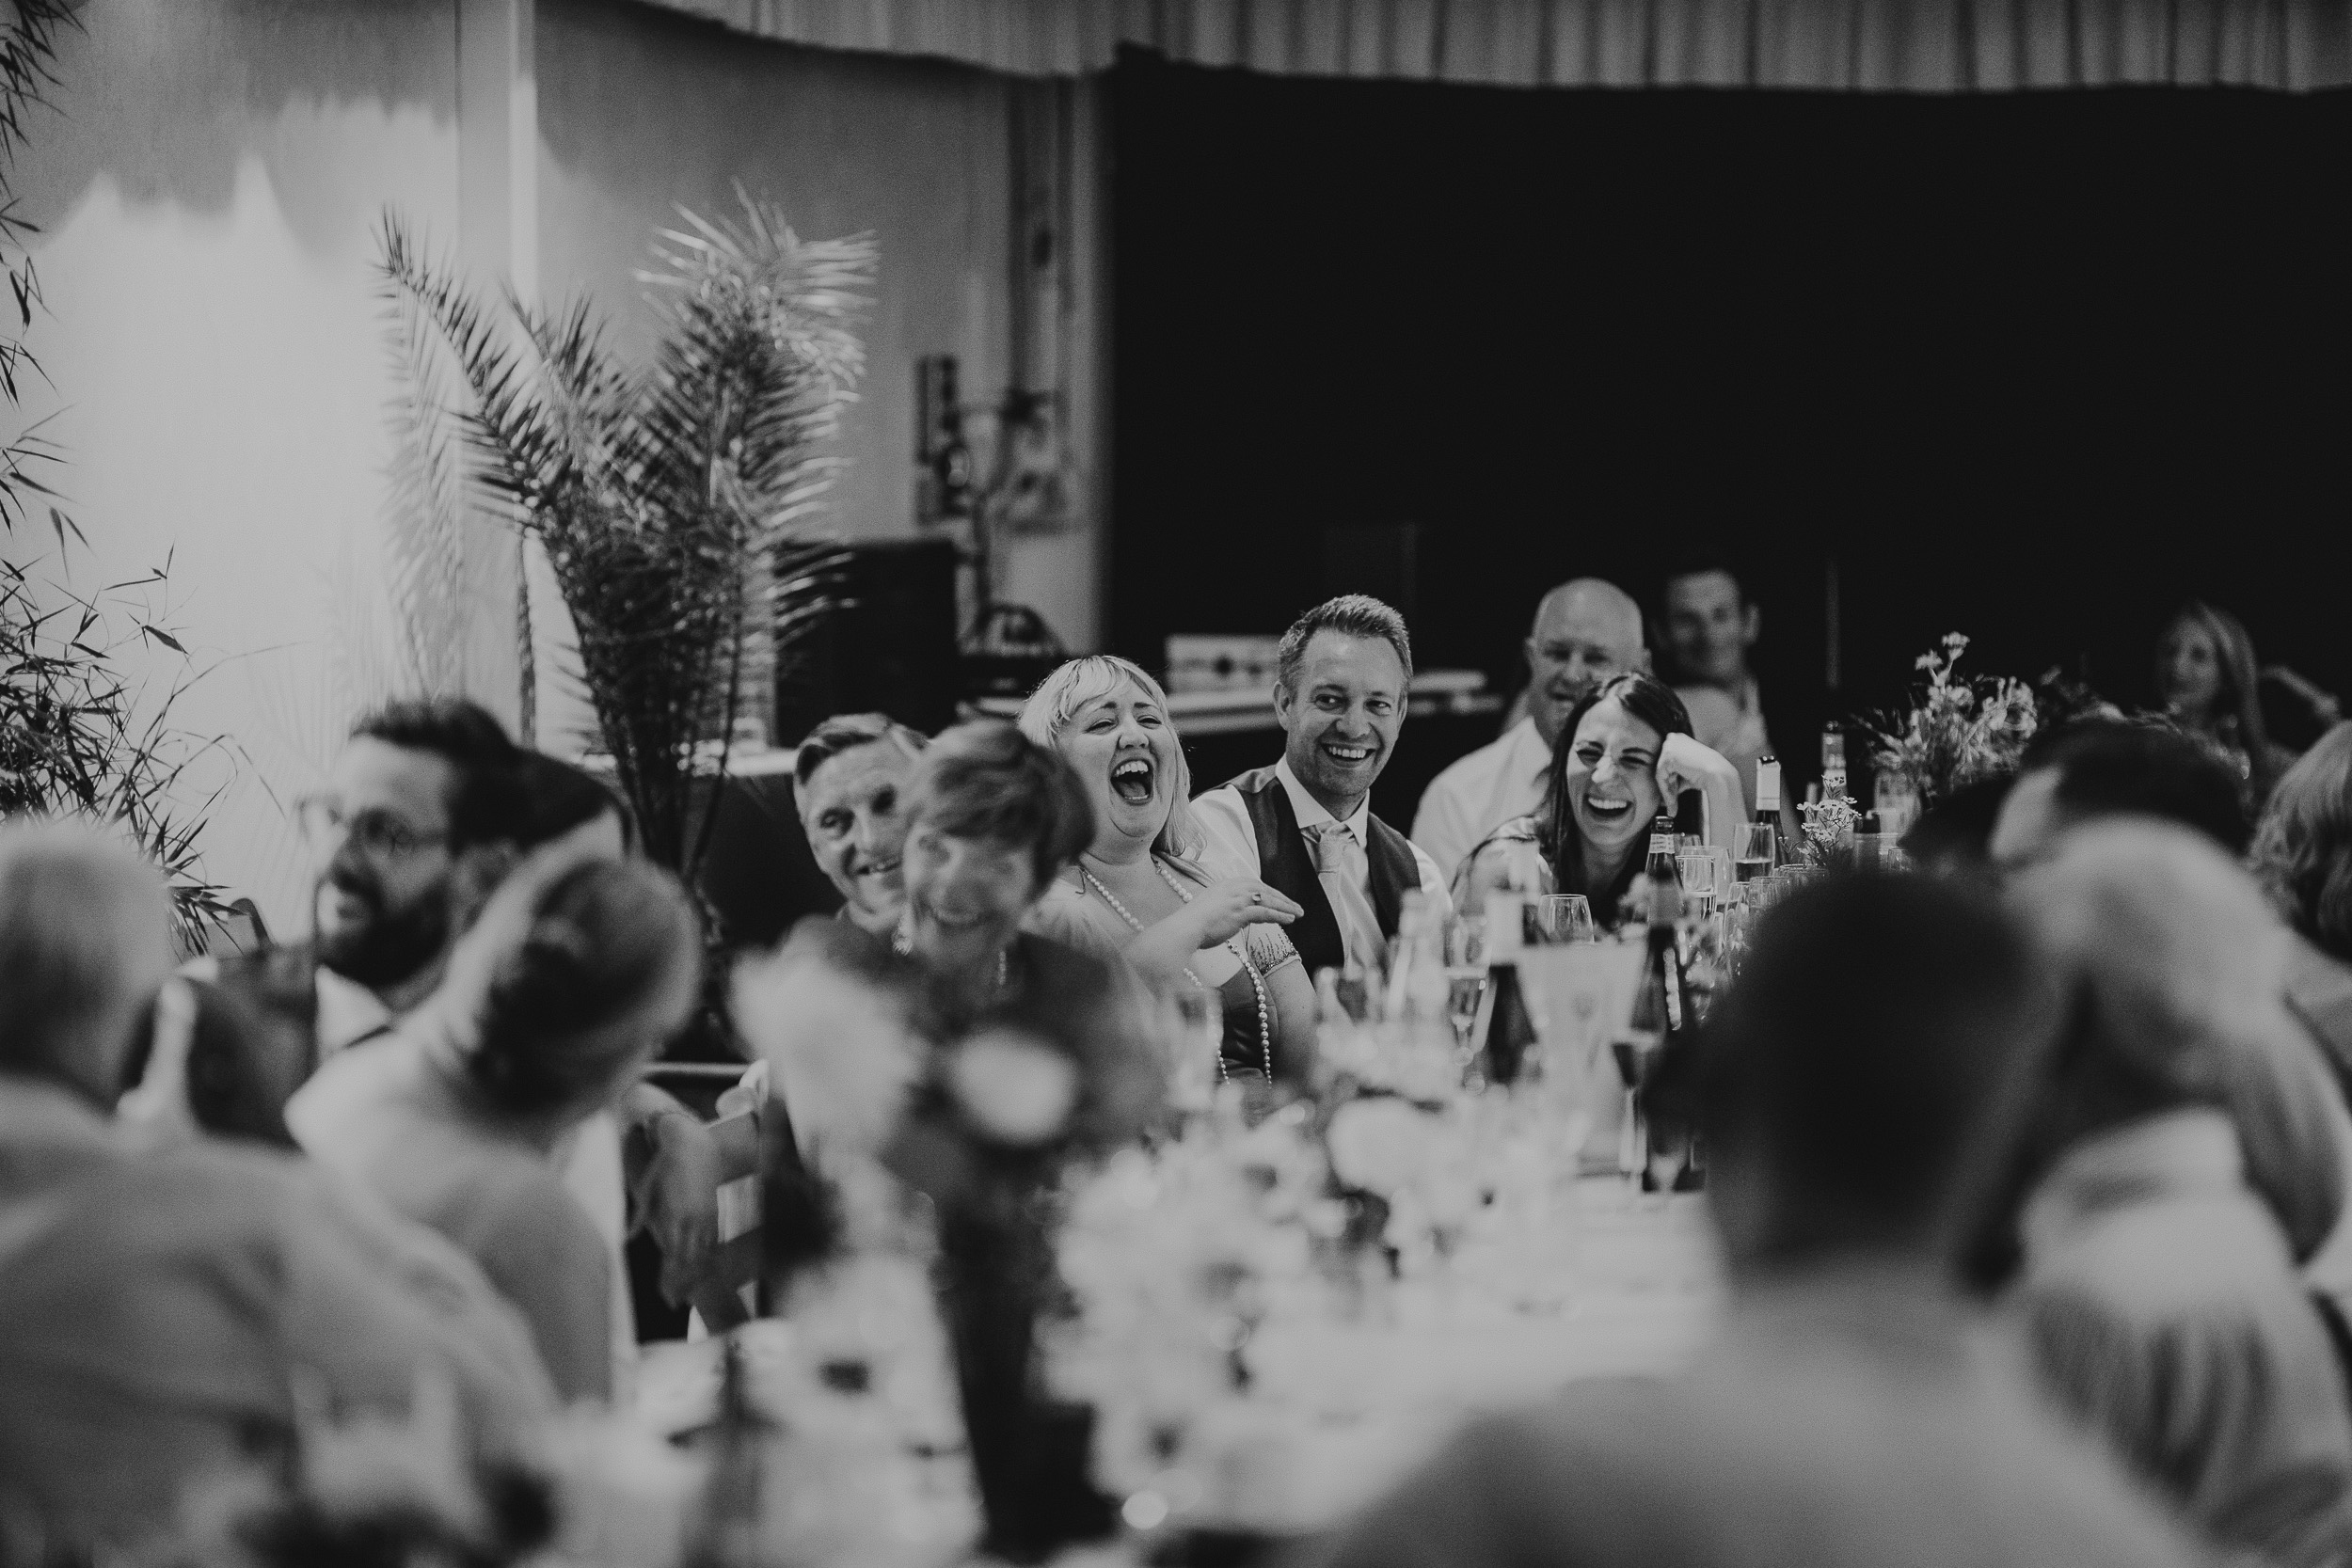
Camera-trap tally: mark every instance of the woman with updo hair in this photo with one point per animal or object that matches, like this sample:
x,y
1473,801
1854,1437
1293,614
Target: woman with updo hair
x,y
577,971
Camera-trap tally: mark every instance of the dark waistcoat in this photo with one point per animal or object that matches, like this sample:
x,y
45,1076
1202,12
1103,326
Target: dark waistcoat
x,y
1287,864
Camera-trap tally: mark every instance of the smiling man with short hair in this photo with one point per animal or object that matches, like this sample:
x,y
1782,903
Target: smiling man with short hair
x,y
850,777
1305,824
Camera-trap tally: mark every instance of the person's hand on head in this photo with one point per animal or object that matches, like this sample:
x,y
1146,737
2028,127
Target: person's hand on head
x,y
1684,764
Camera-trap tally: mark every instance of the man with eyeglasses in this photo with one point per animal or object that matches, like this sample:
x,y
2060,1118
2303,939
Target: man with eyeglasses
x,y
424,811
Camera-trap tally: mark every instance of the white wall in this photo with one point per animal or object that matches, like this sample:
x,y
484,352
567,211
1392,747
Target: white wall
x,y
208,193
642,111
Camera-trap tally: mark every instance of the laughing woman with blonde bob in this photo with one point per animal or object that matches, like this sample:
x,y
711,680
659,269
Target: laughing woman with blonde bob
x,y
1138,890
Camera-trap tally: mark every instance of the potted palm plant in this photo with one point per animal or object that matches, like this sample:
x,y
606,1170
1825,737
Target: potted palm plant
x,y
676,505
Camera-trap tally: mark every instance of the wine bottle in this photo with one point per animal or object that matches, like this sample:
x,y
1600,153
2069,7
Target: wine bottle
x,y
1661,866
1661,1011
1833,762
1416,979
1759,846
1504,1030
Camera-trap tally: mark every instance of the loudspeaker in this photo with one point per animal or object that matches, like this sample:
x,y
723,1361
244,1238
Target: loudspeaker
x,y
889,648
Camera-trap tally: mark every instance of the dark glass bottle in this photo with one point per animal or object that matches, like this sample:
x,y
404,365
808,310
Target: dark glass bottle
x,y
1503,1032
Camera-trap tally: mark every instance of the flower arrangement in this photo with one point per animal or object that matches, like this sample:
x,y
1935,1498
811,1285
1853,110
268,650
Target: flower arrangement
x,y
1829,826
1170,1262
1961,729
921,1143
373,1488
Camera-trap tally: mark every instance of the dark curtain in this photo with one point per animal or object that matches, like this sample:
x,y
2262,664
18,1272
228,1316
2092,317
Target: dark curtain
x,y
2032,366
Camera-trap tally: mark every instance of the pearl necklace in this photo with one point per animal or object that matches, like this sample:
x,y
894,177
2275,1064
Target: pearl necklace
x,y
903,944
1257,984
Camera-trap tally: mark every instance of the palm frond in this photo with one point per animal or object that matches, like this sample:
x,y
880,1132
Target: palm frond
x,y
424,531
674,509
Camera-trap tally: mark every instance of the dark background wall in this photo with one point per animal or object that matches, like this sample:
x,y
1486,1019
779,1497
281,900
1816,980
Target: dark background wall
x,y
2035,367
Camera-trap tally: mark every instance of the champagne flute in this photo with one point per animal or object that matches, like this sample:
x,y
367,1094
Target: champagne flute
x,y
1556,919
1465,974
1194,1043
1759,849
1697,870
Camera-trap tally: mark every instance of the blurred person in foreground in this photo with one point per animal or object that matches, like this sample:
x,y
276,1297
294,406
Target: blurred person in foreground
x,y
1626,757
2158,1293
992,819
2206,677
424,810
1138,890
850,782
2290,1112
1860,1087
577,971
1305,827
1586,632
169,1307
2302,855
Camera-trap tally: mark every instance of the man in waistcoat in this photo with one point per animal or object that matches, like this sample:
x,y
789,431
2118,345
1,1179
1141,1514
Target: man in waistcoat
x,y
1305,824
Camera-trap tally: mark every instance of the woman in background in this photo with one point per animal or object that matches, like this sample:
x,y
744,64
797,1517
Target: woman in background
x,y
578,971
2303,856
1626,755
1137,889
2205,677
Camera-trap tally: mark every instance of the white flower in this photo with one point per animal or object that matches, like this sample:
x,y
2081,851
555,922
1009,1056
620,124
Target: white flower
x,y
839,1050
1380,1144
1015,1088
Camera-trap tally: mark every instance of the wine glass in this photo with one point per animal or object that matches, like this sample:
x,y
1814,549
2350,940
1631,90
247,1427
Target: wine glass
x,y
1757,851
1196,1039
1465,974
1697,870
1556,919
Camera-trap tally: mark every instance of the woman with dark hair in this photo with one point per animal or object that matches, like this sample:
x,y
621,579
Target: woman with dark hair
x,y
2207,678
1626,755
578,971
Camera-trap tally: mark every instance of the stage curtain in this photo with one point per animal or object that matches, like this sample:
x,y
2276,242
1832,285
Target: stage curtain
x,y
1870,45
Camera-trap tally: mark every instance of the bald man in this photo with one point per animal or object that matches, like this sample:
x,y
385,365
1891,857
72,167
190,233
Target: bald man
x,y
1585,631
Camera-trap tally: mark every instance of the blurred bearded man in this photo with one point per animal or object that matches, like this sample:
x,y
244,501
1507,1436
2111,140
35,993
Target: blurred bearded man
x,y
418,820
425,810
1585,632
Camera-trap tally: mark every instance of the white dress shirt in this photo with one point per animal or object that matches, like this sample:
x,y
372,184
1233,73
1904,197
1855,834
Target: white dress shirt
x,y
1731,724
1479,793
1230,842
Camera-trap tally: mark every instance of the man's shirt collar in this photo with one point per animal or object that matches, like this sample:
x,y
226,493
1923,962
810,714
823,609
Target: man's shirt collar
x,y
1310,811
